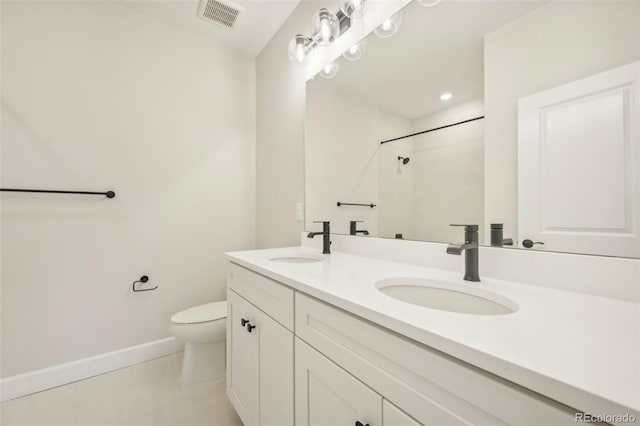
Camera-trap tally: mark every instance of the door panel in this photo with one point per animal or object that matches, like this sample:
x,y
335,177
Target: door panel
x,y
276,372
578,165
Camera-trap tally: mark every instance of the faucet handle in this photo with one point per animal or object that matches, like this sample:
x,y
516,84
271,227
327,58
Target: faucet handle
x,y
467,227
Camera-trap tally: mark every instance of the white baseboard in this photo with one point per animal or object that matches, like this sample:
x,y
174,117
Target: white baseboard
x,y
47,378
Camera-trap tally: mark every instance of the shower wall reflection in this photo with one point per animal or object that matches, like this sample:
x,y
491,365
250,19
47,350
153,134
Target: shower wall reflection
x,y
446,176
419,184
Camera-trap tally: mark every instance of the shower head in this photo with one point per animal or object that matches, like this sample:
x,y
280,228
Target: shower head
x,y
404,160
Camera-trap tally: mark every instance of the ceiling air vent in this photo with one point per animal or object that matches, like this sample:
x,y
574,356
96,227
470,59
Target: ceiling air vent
x,y
222,13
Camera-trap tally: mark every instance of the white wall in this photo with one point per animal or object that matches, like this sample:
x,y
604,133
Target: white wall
x,y
448,173
280,117
580,38
97,97
280,100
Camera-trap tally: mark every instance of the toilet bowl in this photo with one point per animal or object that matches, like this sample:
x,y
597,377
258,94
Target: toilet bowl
x,y
203,330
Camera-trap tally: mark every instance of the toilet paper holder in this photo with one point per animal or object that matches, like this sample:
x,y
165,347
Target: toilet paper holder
x,y
143,279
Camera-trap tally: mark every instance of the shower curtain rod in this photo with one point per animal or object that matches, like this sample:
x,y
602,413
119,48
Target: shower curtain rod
x,y
108,194
433,130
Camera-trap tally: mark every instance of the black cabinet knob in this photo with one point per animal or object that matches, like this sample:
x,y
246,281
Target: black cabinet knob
x,y
528,243
243,322
250,327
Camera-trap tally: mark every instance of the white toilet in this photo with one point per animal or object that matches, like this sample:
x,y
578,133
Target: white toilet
x,y
203,330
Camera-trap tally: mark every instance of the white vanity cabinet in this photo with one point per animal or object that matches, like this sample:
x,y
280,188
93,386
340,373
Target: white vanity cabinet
x,y
349,371
259,348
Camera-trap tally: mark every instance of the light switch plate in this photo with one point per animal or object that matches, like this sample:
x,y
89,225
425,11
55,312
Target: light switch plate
x,y
299,212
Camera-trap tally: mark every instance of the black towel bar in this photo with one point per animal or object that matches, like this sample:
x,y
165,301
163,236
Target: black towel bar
x,y
108,194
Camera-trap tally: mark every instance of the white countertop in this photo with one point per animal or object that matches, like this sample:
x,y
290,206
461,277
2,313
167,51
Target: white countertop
x,y
578,349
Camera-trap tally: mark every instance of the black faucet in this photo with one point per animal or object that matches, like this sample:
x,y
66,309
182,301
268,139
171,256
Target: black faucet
x,y
353,228
470,247
497,237
326,236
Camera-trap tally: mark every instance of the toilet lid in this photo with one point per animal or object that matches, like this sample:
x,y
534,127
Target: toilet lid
x,y
201,313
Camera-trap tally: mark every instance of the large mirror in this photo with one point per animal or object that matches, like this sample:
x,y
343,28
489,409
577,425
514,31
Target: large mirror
x,y
519,116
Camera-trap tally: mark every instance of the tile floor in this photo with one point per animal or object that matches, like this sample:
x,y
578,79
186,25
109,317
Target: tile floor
x,y
143,394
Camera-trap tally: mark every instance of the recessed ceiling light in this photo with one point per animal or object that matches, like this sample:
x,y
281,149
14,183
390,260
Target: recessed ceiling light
x,y
446,96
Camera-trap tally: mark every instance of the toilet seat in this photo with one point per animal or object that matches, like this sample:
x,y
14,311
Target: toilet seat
x,y
201,314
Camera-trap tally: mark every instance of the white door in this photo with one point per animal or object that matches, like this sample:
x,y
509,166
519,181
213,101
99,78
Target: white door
x,y
326,395
242,359
276,371
578,165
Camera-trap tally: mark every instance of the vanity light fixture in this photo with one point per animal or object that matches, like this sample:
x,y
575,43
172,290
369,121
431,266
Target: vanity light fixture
x,y
330,70
389,26
429,3
353,8
326,27
355,52
446,96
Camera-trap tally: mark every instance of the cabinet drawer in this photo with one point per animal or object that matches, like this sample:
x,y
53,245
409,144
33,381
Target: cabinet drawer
x,y
274,299
430,386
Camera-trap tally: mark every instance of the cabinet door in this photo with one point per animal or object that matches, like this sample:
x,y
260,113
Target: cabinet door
x,y
326,395
393,416
242,359
276,371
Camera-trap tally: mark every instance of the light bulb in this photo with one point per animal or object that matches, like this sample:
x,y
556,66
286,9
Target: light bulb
x,y
299,52
446,96
353,8
327,27
355,52
389,26
330,70
299,48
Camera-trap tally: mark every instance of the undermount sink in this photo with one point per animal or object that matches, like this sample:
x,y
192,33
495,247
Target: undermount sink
x,y
447,296
298,258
